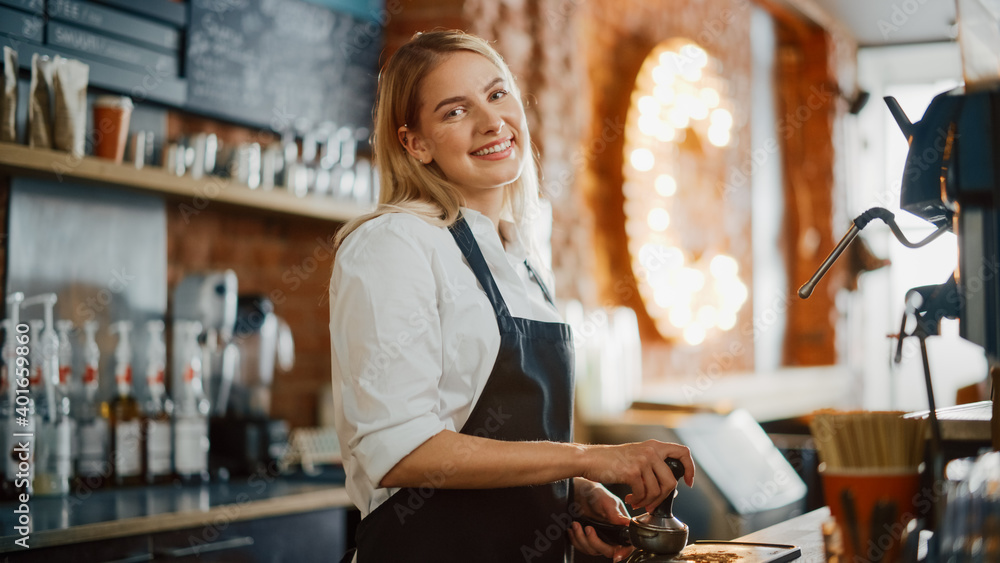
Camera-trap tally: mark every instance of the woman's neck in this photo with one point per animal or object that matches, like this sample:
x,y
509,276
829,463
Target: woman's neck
x,y
490,206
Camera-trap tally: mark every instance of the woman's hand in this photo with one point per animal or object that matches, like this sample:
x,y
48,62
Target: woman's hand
x,y
598,504
641,467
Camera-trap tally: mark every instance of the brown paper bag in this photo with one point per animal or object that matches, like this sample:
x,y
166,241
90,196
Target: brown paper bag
x,y
40,103
69,82
8,106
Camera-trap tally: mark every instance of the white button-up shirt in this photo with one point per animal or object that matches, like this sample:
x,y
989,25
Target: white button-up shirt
x,y
414,337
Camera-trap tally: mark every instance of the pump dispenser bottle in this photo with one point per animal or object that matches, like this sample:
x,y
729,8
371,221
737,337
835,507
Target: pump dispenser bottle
x,y
17,477
7,368
53,463
93,464
158,465
192,408
63,327
66,385
126,418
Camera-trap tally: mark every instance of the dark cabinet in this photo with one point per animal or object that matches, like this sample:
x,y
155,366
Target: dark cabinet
x,y
303,537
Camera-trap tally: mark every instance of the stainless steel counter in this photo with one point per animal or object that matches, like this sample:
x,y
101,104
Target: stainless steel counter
x,y
116,513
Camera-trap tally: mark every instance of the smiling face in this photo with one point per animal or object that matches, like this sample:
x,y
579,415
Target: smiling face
x,y
470,125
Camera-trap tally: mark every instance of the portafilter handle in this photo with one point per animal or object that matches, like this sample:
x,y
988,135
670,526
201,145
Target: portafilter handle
x,y
665,509
619,535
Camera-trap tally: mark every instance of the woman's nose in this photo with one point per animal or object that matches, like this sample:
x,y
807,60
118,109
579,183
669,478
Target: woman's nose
x,y
491,122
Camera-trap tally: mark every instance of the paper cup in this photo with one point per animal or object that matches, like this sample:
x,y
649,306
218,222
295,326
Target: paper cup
x,y
111,120
871,508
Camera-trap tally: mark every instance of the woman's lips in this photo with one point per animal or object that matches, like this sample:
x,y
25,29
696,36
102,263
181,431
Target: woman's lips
x,y
502,153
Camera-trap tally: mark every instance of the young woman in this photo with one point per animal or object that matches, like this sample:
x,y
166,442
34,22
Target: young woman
x,y
452,372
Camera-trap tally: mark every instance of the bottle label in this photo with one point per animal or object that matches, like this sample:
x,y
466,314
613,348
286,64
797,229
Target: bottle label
x,y
155,378
128,454
191,450
93,461
124,375
158,447
90,375
64,374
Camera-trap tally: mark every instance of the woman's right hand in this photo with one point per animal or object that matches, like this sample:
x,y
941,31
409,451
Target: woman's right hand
x,y
641,467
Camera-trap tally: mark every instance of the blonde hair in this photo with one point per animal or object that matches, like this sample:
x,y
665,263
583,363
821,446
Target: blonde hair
x,y
406,184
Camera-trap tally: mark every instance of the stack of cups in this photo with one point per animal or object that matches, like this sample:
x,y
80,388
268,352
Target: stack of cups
x,y
111,121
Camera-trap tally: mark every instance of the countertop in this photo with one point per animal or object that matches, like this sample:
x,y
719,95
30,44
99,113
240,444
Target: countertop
x,y
804,531
114,513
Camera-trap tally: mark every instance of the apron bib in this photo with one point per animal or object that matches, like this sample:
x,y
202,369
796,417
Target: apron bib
x,y
528,397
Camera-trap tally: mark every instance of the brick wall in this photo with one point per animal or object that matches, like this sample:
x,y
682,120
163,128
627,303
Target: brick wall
x,y
285,257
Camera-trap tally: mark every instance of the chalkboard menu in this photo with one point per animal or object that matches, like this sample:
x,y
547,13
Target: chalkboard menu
x,y
278,63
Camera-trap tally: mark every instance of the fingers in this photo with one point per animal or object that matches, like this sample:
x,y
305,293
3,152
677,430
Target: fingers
x,y
599,503
683,454
621,553
667,482
652,487
585,539
612,510
641,466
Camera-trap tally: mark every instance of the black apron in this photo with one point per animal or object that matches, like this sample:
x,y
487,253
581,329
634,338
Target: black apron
x,y
528,397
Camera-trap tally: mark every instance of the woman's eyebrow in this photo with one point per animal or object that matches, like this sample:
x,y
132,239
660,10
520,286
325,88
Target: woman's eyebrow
x,y
446,101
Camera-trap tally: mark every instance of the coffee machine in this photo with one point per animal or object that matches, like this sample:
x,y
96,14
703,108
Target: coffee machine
x,y
245,438
210,298
952,180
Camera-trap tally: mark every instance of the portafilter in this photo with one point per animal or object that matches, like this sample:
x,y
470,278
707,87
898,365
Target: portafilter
x,y
656,532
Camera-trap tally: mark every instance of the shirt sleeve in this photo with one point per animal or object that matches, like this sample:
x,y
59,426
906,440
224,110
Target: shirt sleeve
x,y
386,344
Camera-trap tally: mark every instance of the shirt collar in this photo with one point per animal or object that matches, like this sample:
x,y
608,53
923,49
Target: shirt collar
x,y
481,226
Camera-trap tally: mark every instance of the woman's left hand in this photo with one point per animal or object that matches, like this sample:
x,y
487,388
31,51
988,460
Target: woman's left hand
x,y
597,503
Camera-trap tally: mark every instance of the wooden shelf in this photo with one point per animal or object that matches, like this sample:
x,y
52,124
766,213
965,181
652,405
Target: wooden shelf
x,y
21,160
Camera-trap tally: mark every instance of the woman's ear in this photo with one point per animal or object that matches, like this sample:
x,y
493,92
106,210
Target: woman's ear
x,y
414,144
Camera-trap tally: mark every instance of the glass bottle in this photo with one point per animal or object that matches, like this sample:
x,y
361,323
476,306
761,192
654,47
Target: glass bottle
x,y
93,462
42,452
65,385
9,466
157,409
52,422
126,417
191,408
20,426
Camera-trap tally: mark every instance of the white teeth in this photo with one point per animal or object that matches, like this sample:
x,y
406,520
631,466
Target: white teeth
x,y
495,148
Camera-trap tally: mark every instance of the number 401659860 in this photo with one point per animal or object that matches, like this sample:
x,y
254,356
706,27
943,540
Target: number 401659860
x,y
22,369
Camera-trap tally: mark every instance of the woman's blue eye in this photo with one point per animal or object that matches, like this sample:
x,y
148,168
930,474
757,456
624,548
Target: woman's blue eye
x,y
454,113
498,94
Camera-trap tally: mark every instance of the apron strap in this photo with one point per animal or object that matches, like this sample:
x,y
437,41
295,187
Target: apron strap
x,y
470,248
